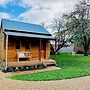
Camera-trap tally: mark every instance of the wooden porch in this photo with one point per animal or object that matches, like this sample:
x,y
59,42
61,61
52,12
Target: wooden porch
x,y
31,63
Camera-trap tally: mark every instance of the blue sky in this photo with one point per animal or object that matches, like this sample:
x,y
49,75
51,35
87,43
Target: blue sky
x,y
14,10
35,11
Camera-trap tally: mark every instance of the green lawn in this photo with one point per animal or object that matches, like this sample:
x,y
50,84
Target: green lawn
x,y
72,67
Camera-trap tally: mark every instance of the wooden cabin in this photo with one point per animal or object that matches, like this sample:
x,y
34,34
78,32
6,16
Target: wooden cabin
x,y
24,44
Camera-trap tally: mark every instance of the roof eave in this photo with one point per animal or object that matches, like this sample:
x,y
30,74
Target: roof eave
x,y
29,35
26,32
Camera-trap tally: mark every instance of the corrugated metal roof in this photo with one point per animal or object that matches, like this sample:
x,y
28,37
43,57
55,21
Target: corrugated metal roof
x,y
29,35
21,26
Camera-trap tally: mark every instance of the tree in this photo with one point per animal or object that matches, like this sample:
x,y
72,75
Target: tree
x,y
44,25
78,25
59,33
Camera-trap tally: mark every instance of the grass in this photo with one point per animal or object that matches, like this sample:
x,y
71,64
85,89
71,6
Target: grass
x,y
72,67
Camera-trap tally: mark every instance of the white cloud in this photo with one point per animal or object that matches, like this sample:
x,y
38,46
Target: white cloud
x,y
44,10
5,15
4,2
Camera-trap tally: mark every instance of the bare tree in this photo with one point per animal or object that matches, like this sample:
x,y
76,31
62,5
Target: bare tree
x,y
44,25
59,32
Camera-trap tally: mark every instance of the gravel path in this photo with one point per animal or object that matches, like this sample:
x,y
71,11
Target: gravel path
x,y
82,83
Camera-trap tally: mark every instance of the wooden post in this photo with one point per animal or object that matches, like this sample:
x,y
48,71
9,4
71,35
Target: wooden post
x,y
40,50
45,51
55,50
6,52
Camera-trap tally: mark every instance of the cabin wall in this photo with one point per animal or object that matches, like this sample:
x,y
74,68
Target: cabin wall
x,y
1,46
34,48
48,49
11,49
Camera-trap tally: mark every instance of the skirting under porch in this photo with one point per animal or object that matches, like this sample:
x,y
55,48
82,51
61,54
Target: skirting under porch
x,y
30,63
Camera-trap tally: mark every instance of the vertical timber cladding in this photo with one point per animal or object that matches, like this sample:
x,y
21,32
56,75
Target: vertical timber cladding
x,y
34,49
47,49
35,46
11,49
1,46
4,49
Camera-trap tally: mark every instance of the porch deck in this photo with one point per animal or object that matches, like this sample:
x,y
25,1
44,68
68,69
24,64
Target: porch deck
x,y
31,63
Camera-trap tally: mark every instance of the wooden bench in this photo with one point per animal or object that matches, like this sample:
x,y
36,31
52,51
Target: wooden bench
x,y
23,55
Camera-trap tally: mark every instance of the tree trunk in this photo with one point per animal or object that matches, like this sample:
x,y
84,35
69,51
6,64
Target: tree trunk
x,y
86,50
86,47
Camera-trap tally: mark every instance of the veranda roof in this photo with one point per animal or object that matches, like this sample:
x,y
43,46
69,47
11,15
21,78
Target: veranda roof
x,y
29,35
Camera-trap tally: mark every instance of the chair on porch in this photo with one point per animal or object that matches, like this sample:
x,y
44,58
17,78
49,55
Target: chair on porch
x,y
23,55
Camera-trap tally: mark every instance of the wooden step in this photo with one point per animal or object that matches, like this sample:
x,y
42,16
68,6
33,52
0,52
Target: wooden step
x,y
49,62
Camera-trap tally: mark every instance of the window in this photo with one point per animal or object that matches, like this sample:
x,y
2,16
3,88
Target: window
x,y
17,44
27,45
